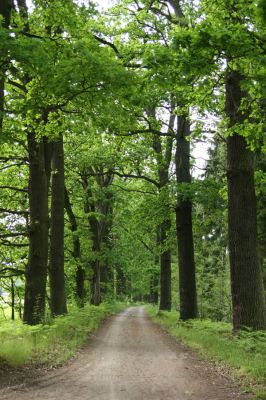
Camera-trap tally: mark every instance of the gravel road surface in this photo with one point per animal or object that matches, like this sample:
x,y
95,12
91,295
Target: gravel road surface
x,y
129,358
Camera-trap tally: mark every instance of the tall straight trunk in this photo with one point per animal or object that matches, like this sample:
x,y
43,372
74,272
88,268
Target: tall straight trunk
x,y
5,12
79,277
164,159
48,148
105,207
36,271
154,283
2,96
95,264
248,301
89,207
106,269
155,277
165,269
57,277
80,273
187,275
12,299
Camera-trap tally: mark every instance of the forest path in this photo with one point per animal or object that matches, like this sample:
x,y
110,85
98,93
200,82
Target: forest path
x,y
129,358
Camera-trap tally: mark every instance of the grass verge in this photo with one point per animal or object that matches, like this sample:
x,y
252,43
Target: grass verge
x,y
244,354
54,343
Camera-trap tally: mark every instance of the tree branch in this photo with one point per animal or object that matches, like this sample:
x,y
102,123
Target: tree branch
x,y
14,271
14,188
13,234
146,178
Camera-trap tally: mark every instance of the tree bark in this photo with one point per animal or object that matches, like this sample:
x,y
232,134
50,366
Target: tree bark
x,y
106,269
105,226
164,159
165,269
5,12
96,278
56,272
12,299
48,149
155,277
187,274
165,257
248,301
36,271
90,209
80,273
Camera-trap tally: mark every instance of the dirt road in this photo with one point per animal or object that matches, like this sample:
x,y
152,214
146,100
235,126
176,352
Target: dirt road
x,y
129,358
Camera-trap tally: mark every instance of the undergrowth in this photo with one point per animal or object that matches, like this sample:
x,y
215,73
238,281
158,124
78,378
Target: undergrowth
x,y
55,342
245,352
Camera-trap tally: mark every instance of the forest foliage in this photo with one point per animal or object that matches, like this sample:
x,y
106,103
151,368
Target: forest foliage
x,y
104,118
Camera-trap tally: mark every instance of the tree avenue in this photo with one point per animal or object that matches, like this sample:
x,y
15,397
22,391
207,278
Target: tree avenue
x,y
104,117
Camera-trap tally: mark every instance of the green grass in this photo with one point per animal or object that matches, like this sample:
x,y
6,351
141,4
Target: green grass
x,y
54,343
244,353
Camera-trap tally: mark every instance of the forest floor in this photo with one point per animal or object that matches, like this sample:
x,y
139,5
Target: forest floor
x,y
128,358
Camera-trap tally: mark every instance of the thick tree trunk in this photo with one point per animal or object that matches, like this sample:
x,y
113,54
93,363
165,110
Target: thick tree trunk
x,y
12,299
80,289
95,280
5,12
187,275
2,96
165,226
248,299
155,277
89,207
36,271
121,284
154,283
105,227
80,273
106,269
48,149
56,272
165,269
95,283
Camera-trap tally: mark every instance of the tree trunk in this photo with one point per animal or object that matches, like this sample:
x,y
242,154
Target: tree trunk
x,y
80,290
80,273
155,276
106,269
5,12
57,277
36,271
48,149
89,207
165,226
248,301
165,269
105,227
187,278
154,283
95,281
12,299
